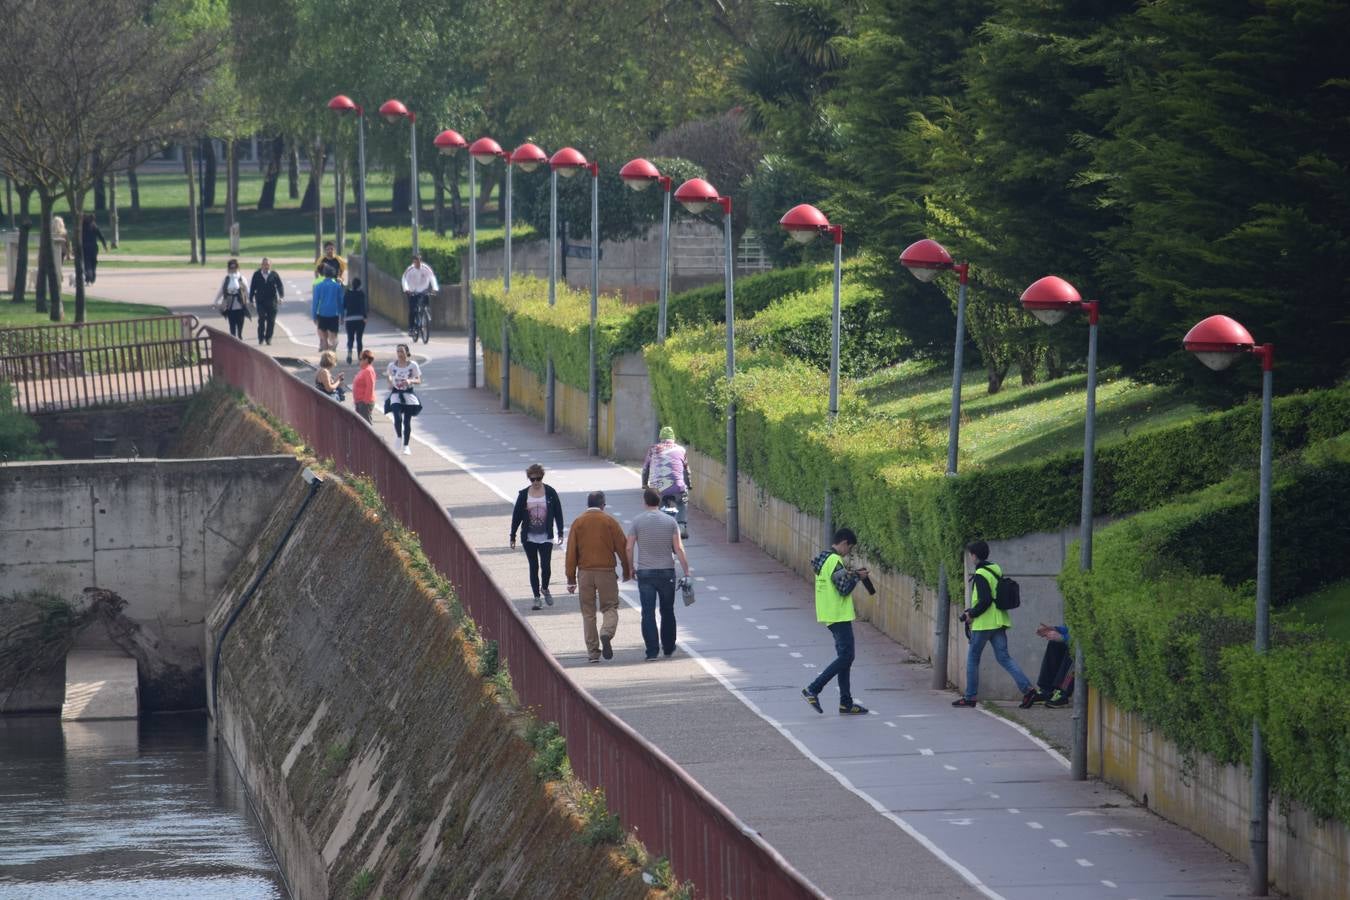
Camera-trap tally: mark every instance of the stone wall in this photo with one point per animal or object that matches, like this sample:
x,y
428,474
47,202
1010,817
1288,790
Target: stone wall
x,y
133,430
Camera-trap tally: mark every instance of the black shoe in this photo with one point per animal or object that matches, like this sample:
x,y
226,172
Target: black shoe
x,y
606,649
812,699
1058,700
963,702
548,598
852,709
349,357
1029,699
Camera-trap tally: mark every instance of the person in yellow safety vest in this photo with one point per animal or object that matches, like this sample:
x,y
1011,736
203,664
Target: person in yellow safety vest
x,y
987,624
835,583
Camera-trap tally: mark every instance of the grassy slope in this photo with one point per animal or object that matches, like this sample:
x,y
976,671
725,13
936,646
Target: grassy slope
x,y
1329,607
22,315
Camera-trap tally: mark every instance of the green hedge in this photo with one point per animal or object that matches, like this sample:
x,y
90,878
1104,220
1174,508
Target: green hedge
x,y
391,249
1167,632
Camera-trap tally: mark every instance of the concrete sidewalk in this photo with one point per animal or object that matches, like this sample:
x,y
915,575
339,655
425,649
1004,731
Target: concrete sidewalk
x,y
917,800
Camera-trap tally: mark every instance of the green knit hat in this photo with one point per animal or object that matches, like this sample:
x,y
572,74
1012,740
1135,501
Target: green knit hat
x,y
667,433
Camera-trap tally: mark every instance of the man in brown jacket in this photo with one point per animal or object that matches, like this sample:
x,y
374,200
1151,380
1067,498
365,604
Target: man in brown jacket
x,y
594,541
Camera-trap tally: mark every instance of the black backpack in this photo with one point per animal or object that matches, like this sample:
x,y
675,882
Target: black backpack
x,y
1007,592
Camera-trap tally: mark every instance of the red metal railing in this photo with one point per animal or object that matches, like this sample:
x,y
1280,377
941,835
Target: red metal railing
x,y
674,816
87,335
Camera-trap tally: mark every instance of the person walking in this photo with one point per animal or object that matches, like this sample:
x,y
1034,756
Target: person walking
x,y
655,537
835,583
987,624
594,542
666,468
354,312
363,386
90,238
325,380
403,375
265,291
330,265
538,509
326,309
418,279
232,299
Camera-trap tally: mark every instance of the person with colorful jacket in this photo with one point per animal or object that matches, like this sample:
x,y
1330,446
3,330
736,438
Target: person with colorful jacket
x,y
835,583
987,624
326,310
666,469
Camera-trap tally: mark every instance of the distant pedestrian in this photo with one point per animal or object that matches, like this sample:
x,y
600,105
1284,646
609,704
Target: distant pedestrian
x,y
655,537
326,380
90,238
330,265
265,291
538,509
59,234
594,542
403,376
363,386
232,299
418,282
835,583
987,624
326,309
667,469
1054,685
354,315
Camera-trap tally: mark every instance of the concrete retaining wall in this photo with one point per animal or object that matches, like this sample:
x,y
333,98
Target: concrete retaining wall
x,y
136,430
164,534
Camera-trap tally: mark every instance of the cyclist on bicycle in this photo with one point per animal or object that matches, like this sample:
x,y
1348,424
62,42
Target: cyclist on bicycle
x,y
418,280
666,469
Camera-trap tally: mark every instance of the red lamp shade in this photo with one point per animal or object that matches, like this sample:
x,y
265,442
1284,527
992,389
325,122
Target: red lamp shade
x,y
485,150
567,162
1050,299
804,222
696,195
528,156
925,259
1217,341
639,174
449,141
393,110
343,103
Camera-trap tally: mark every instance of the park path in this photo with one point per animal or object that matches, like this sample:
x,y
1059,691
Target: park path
x,y
916,800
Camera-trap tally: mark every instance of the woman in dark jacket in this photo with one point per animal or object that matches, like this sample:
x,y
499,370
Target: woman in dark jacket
x,y
537,511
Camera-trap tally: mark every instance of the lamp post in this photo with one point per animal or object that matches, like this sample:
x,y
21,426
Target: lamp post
x,y
1050,299
392,111
342,104
448,143
1218,341
804,222
639,174
697,195
529,157
925,260
567,162
485,151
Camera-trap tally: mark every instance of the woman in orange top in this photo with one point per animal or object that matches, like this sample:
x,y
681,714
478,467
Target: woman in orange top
x,y
363,386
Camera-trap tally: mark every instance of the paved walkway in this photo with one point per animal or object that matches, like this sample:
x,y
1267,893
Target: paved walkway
x,y
916,800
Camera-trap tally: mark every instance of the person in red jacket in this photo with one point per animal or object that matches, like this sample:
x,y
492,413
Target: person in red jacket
x,y
363,386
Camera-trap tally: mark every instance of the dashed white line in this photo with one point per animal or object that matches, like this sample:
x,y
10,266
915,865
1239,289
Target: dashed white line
x,y
762,627
794,654
1036,825
772,637
1084,863
1012,810
968,780
890,724
734,605
924,751
993,796
1109,884
1058,843
949,767
749,619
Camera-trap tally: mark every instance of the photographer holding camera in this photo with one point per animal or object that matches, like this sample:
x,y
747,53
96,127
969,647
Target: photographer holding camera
x,y
835,583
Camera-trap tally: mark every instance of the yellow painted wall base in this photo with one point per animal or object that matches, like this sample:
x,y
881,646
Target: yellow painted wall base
x,y
569,404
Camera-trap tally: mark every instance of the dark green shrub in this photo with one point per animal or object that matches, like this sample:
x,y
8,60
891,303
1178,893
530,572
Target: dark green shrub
x,y
391,249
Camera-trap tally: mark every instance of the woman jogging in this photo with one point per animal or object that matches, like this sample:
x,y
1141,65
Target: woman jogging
x,y
403,374
232,299
537,511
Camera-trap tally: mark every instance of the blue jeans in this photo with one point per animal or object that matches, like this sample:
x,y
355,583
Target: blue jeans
x,y
842,665
999,638
654,585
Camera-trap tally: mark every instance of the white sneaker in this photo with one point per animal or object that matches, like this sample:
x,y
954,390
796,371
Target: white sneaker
x,y
407,451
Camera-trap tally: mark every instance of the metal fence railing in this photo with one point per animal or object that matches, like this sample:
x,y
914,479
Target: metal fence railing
x,y
672,813
60,367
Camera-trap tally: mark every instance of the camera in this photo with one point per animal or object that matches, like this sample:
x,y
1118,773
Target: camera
x,y
867,583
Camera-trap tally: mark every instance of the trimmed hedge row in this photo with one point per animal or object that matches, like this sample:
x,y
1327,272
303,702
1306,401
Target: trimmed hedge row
x,y
1173,642
391,249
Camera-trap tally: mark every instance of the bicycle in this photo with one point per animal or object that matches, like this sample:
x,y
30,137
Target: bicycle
x,y
422,317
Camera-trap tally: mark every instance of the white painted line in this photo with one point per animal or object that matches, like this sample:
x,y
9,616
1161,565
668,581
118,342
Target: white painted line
x,y
992,796
724,597
781,645
949,767
1012,810
808,665
734,605
699,578
916,716
762,627
968,780
1036,825
1109,884
890,724
1084,863
712,587
924,751
748,619
908,737
1058,843
794,654
772,637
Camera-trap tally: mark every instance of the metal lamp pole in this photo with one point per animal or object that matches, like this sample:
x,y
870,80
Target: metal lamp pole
x,y
484,150
593,403
392,111
1218,341
550,419
925,259
341,104
639,174
1050,299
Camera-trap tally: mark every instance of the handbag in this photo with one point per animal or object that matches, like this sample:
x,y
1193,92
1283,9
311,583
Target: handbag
x,y
686,586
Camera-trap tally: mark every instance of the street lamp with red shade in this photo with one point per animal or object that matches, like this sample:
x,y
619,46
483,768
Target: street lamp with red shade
x,y
483,150
392,111
344,104
567,162
697,195
1218,342
640,174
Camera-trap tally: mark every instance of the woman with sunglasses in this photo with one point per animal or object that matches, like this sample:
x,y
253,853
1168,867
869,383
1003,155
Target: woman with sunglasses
x,y
538,510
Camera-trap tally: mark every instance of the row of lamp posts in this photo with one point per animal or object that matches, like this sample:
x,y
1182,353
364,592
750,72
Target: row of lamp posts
x,y
1217,342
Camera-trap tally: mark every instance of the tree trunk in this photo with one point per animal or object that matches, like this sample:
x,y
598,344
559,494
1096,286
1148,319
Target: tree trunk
x,y
9,198
77,253
340,203
49,280
1054,363
112,209
997,372
276,149
231,173
293,173
100,195
438,196
192,199
1028,360
313,201
134,185
25,228
456,201
208,151
402,196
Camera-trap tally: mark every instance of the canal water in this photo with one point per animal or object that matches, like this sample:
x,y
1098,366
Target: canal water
x,y
103,810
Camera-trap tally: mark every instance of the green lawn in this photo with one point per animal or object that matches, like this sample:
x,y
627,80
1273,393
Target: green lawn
x,y
1020,423
21,315
1329,608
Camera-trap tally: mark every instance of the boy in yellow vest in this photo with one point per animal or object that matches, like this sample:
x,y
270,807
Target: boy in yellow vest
x,y
987,624
835,583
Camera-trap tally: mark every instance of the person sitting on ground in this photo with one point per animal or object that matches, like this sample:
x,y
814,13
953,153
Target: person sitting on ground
x,y
667,470
1054,686
325,380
